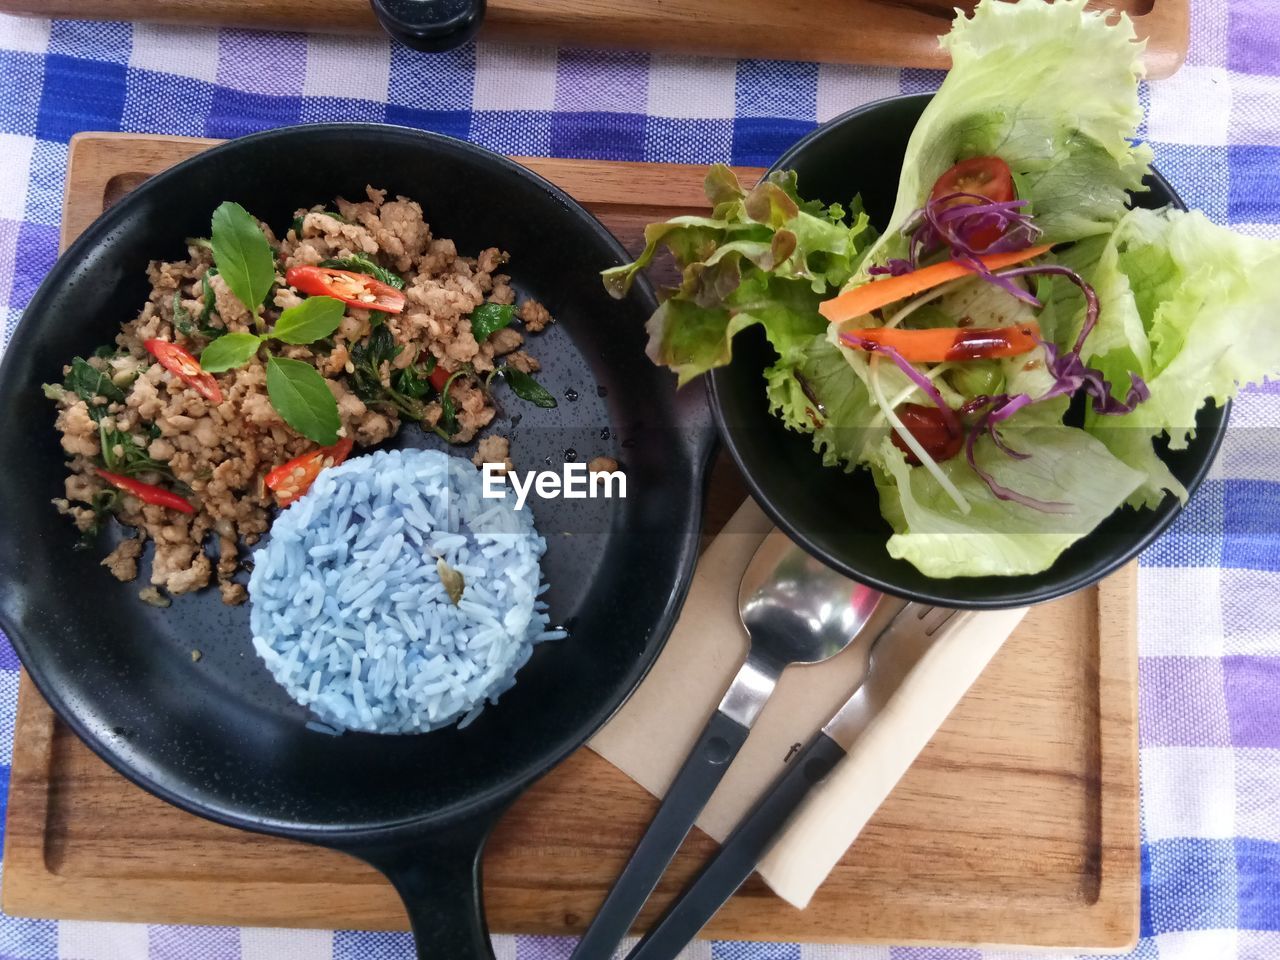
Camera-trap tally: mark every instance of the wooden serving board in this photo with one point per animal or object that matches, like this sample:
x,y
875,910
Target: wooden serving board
x,y
1016,825
899,33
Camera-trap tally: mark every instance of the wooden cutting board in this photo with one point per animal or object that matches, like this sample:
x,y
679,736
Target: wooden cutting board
x,y
1016,825
899,33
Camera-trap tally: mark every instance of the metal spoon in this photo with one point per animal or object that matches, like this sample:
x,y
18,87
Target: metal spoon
x,y
795,610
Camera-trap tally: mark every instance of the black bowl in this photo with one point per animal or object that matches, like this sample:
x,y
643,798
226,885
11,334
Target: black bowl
x,y
835,515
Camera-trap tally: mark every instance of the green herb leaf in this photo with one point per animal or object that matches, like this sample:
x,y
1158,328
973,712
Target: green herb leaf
x,y
103,505
243,256
363,263
407,387
412,382
88,382
367,357
448,424
122,454
53,391
302,398
313,319
489,318
182,320
210,305
229,351
527,388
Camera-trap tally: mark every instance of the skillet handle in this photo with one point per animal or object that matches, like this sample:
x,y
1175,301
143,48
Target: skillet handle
x,y
437,875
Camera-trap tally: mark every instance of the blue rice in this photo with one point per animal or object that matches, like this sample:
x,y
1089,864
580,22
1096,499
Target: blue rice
x,y
349,612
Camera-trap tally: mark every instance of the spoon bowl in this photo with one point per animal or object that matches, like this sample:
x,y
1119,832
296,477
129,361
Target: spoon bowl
x,y
796,609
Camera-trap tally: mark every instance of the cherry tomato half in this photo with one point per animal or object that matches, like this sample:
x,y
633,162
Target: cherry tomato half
x,y
353,289
988,177
186,367
939,434
291,480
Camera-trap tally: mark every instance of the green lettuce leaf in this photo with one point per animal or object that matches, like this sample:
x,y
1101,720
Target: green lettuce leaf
x,y
1053,91
999,537
763,257
816,392
1201,303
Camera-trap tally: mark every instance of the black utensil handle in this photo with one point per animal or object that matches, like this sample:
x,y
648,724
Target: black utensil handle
x,y
718,744
741,851
437,875
430,25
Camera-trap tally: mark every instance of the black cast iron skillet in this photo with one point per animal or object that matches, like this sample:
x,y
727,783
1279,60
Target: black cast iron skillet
x,y
218,737
834,515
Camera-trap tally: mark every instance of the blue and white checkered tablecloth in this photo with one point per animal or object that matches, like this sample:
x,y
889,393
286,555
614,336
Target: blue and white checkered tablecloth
x,y
1209,611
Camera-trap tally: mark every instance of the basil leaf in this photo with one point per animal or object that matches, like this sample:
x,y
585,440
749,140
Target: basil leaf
x,y
363,263
182,321
132,458
313,319
412,383
243,256
103,505
229,351
448,424
527,388
210,305
302,398
87,382
489,318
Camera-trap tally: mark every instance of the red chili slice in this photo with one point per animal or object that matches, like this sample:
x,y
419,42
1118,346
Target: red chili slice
x,y
439,377
186,367
147,492
291,480
353,289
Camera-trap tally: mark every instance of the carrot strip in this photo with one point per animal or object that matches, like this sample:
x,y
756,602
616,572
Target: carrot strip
x,y
941,344
878,293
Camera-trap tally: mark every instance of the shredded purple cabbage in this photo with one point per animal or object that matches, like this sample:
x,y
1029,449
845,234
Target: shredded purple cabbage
x,y
1069,371
945,224
987,422
957,227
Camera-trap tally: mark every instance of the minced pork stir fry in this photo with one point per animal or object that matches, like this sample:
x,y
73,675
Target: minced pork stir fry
x,y
258,360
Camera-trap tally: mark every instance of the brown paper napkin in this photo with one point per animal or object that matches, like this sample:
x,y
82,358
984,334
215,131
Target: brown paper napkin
x,y
651,735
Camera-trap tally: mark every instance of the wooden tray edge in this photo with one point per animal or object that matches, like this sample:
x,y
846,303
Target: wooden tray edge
x,y
913,43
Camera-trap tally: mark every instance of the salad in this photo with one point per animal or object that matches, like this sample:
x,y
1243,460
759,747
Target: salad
x,y
1005,356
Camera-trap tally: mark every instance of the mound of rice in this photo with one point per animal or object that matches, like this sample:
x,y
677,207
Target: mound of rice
x,y
350,613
